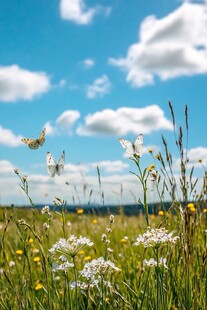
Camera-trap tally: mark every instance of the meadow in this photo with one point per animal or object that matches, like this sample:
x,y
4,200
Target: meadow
x,y
53,259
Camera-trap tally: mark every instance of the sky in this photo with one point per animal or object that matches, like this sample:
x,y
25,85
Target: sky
x,y
91,72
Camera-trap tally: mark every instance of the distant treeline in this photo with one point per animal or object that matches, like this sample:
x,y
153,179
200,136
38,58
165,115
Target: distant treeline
x,y
130,209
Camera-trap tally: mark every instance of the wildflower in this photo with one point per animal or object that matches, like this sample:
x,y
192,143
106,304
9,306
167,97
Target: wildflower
x,y
153,175
81,252
16,171
35,251
24,179
193,209
151,167
155,237
11,263
87,257
38,286
71,246
153,263
107,299
62,267
104,239
19,252
152,216
98,267
200,161
46,226
150,150
123,240
109,250
108,230
190,205
46,210
205,210
36,259
79,211
30,241
111,218
157,156
95,221
161,213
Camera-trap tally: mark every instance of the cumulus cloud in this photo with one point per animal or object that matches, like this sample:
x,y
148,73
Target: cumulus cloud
x,y
67,119
106,166
6,167
99,88
88,63
8,138
76,11
124,121
169,47
17,83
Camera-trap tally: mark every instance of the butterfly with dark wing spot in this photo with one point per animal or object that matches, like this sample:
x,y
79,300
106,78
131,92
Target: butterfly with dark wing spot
x,y
53,167
135,148
35,143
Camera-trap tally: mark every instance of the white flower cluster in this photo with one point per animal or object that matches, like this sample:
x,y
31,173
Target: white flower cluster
x,y
155,237
98,267
70,246
153,263
46,210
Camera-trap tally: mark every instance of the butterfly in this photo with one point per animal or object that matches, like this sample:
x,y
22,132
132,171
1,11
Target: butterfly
x,y
35,143
135,148
54,168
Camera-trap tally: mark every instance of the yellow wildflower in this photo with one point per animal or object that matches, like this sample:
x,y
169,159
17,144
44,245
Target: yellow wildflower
x,y
190,205
79,211
123,240
193,209
152,216
81,252
87,257
36,259
205,210
157,156
38,286
151,167
30,241
95,221
19,252
161,213
150,150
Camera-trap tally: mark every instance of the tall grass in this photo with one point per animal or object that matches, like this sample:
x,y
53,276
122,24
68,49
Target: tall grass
x,y
57,260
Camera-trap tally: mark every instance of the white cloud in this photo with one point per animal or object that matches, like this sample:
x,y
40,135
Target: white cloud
x,y
124,121
67,119
88,63
8,138
50,129
106,166
76,11
173,46
6,167
99,88
17,83
194,155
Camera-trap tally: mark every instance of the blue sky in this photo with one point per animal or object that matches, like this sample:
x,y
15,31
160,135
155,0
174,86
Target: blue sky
x,y
91,72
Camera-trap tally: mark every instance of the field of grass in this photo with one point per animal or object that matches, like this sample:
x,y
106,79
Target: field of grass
x,y
51,259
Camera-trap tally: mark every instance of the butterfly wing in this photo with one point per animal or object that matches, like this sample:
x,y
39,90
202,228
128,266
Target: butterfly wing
x,y
138,145
126,144
61,162
41,139
35,143
51,165
32,143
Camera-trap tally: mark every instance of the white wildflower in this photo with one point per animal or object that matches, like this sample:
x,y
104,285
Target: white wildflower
x,y
46,226
62,267
111,218
70,246
155,237
153,263
11,263
46,210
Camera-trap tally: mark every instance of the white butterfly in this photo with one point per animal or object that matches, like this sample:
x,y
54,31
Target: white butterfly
x,y
135,148
54,168
35,143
